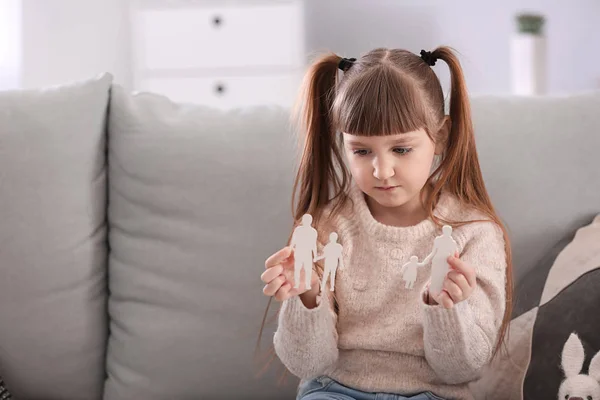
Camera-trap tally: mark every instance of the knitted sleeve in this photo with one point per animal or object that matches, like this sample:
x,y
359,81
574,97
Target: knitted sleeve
x,y
306,339
460,341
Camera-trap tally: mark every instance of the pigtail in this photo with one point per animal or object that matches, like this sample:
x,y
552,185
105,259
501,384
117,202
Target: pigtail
x,y
321,156
466,177
320,160
460,169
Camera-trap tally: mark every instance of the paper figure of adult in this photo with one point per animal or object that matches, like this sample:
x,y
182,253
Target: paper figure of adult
x,y
304,244
444,246
409,271
332,253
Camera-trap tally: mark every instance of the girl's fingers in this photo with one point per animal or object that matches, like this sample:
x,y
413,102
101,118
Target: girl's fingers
x,y
271,273
271,288
452,289
460,280
278,257
463,268
284,292
445,300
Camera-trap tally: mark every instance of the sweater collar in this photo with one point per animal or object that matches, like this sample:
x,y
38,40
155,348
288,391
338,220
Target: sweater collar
x,y
375,228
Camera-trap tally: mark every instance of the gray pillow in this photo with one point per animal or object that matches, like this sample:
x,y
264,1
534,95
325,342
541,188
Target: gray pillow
x,y
198,199
53,322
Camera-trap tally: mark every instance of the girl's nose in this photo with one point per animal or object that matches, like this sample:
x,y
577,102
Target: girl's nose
x,y
383,169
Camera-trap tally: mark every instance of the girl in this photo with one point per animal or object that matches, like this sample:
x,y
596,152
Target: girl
x,y
386,168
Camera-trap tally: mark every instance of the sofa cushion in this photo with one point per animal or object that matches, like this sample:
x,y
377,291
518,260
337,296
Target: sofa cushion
x,y
539,157
566,302
198,199
53,321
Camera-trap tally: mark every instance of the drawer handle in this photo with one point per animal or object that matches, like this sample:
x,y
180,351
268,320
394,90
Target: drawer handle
x,y
220,89
217,21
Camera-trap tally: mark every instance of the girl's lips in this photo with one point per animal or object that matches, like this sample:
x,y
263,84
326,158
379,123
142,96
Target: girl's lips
x,y
385,188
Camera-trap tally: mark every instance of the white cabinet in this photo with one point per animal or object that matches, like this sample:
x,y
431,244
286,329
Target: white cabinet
x,y
224,54
228,91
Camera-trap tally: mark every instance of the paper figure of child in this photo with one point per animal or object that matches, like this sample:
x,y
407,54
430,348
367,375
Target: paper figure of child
x,y
409,271
444,246
304,244
332,253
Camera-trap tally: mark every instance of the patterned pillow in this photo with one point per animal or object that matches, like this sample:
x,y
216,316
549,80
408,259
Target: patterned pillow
x,y
4,394
555,328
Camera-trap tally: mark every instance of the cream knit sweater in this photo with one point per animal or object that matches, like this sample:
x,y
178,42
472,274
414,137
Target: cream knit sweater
x,y
383,337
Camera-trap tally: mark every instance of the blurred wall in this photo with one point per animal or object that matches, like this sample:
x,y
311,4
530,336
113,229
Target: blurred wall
x,y
65,40
10,44
479,30
73,39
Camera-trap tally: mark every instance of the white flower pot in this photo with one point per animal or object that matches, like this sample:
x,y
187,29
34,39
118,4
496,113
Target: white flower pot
x,y
528,64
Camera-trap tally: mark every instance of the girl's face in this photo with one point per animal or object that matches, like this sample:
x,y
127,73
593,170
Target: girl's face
x,y
391,170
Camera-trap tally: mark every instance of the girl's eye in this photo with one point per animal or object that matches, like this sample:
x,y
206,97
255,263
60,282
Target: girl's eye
x,y
361,152
402,150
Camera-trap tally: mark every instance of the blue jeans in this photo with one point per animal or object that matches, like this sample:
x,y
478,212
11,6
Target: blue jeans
x,y
325,388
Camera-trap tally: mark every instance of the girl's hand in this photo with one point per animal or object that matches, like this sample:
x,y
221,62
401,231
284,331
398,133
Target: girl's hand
x,y
459,284
279,277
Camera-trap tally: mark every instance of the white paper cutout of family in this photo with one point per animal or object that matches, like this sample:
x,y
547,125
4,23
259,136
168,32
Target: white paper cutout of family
x,y
304,243
443,247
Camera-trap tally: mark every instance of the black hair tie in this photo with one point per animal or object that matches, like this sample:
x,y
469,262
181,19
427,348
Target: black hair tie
x,y
428,58
346,63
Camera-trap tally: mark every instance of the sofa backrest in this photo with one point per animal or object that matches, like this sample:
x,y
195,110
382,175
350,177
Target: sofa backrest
x,y
540,158
53,250
197,199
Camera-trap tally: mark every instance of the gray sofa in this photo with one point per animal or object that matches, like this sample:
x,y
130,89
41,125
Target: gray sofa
x,y
134,230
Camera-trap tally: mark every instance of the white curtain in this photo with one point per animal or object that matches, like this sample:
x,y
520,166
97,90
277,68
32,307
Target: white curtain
x,y
10,44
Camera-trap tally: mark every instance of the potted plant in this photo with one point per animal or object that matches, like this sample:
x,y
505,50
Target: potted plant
x,y
528,55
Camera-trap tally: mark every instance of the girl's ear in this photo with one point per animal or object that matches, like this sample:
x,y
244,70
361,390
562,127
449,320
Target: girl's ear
x,y
442,136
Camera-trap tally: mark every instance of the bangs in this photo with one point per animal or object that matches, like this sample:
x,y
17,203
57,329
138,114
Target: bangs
x,y
379,102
